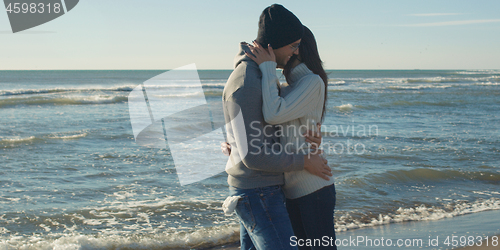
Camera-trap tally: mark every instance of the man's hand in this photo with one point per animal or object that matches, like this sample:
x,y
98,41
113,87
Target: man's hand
x,y
316,165
314,138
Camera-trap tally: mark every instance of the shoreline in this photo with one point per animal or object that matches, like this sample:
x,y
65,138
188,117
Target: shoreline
x,y
231,246
236,246
431,234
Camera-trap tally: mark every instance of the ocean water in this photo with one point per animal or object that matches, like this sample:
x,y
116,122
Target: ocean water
x,y
411,145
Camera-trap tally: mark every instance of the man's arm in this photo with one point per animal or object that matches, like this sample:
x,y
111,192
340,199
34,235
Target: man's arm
x,y
251,133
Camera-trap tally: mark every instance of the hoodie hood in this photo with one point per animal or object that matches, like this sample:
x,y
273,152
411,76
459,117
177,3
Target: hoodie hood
x,y
240,57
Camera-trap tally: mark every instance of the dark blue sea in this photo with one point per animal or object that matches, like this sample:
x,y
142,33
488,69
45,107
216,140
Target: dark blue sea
x,y
404,145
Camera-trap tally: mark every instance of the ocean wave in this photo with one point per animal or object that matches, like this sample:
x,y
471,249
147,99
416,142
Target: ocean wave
x,y
124,223
336,82
418,87
186,85
424,175
347,90
437,80
448,103
79,100
403,88
407,87
488,83
414,82
67,137
422,212
217,84
478,72
127,88
345,107
213,93
217,235
31,91
193,94
467,78
402,80
200,238
16,141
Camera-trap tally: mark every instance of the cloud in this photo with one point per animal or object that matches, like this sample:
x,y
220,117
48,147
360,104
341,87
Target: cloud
x,y
450,23
436,14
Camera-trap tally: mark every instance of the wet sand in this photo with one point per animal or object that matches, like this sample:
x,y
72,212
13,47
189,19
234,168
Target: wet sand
x,y
234,246
484,245
477,225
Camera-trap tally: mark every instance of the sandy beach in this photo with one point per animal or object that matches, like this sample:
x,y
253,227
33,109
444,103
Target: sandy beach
x,y
485,245
447,233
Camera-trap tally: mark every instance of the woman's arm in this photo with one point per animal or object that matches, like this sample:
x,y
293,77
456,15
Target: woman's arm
x,y
260,56
298,103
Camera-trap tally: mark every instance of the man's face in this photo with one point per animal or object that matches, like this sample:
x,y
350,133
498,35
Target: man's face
x,y
284,53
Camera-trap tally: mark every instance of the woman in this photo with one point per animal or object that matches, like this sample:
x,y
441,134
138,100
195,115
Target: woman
x,y
310,199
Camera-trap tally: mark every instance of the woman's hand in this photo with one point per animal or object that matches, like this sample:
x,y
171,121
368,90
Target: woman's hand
x,y
260,54
226,148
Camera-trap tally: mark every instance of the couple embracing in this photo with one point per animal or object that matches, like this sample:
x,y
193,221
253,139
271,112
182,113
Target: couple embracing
x,y
280,188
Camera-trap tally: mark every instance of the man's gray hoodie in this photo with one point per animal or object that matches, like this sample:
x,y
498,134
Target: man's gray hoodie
x,y
265,161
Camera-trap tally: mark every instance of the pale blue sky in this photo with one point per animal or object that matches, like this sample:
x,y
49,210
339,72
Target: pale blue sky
x,y
159,34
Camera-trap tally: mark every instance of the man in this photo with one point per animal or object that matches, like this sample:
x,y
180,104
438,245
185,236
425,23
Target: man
x,y
257,163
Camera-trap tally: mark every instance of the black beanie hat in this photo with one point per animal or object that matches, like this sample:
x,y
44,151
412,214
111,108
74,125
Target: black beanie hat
x,y
278,27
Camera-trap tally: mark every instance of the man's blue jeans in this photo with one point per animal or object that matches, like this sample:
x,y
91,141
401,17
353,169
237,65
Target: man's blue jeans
x,y
264,220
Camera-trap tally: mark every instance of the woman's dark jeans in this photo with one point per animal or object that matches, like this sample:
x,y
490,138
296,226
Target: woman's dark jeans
x,y
312,217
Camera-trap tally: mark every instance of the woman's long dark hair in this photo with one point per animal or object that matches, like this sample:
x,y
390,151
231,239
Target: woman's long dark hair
x,y
309,55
